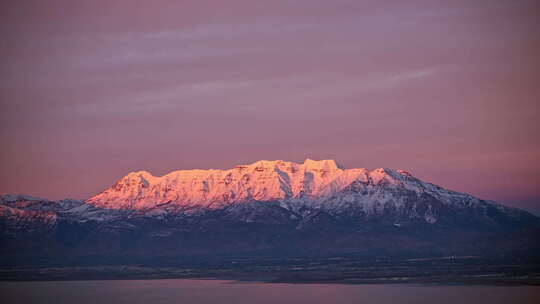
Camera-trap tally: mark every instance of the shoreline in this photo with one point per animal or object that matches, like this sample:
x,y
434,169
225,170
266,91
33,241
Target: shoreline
x,y
280,278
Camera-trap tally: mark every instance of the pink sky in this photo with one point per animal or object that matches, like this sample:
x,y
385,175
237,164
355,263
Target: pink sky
x,y
448,90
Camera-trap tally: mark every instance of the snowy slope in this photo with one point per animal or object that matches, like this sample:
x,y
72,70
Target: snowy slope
x,y
272,192
299,188
260,181
273,206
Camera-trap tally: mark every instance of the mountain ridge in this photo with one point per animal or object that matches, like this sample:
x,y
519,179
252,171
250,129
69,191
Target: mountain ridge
x,y
260,181
275,207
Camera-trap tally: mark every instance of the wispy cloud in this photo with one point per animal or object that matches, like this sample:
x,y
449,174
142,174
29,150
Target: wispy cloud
x,y
401,78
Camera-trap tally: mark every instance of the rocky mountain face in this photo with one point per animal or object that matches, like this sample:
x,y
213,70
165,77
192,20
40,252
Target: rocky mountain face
x,y
213,189
272,208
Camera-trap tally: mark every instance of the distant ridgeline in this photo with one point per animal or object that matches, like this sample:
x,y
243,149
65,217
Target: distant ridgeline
x,y
265,209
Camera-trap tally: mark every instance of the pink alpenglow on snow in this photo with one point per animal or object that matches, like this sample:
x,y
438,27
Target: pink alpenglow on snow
x,y
260,181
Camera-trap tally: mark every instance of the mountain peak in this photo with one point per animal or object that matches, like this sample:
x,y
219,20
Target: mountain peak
x,y
324,164
140,173
271,164
264,180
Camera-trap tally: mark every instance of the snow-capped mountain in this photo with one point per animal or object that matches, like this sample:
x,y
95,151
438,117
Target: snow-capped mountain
x,y
260,181
299,188
270,206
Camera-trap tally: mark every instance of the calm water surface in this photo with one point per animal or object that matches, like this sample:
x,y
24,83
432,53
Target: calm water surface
x,y
215,291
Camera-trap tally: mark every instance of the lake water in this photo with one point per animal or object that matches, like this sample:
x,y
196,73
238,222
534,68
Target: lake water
x,y
216,291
